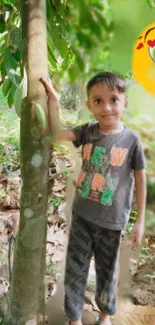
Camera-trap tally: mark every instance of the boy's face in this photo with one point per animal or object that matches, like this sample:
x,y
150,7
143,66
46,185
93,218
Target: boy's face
x,y
106,104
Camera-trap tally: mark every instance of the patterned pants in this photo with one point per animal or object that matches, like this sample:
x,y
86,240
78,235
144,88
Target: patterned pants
x,y
85,240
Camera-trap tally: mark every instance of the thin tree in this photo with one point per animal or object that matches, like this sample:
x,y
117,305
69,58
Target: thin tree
x,y
27,285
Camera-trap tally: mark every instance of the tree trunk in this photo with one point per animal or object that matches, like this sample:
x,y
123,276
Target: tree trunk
x,y
27,287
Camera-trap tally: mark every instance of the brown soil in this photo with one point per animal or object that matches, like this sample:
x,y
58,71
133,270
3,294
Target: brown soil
x,y
143,281
129,314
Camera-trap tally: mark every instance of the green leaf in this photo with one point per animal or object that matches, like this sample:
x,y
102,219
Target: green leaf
x,y
51,56
14,77
51,62
9,2
9,62
88,19
150,276
11,67
58,40
7,7
18,98
97,4
17,55
101,19
6,86
16,37
68,59
2,68
73,73
79,59
11,96
85,40
2,24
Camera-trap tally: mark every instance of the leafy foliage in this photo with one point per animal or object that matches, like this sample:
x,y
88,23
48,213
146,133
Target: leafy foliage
x,y
79,33
10,52
9,144
150,3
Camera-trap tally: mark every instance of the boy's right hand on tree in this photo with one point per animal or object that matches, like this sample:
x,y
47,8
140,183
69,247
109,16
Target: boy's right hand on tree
x,y
53,110
53,104
52,94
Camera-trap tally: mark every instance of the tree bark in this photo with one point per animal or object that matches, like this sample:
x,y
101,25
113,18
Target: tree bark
x,y
27,287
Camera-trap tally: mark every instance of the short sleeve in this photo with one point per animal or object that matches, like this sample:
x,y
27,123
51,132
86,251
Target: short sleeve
x,y
79,132
138,159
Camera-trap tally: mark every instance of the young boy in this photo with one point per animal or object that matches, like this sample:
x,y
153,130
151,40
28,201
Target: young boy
x,y
113,159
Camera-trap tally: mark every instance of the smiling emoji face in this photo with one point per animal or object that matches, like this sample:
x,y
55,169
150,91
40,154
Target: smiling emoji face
x,y
143,60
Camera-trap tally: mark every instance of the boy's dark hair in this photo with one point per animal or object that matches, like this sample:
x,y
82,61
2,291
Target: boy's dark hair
x,y
109,78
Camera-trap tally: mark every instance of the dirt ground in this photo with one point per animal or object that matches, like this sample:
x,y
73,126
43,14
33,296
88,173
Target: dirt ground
x,y
143,281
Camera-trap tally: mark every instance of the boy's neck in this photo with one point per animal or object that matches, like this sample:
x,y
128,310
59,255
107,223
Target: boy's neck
x,y
111,129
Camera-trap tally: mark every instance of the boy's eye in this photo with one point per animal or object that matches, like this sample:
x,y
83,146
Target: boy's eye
x,y
98,101
114,100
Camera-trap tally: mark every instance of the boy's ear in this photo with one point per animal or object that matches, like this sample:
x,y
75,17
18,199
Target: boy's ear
x,y
88,104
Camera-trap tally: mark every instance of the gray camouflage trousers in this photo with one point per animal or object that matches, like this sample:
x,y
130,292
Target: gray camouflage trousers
x,y
86,240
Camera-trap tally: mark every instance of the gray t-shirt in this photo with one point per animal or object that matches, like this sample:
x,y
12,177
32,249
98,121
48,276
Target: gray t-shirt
x,y
105,185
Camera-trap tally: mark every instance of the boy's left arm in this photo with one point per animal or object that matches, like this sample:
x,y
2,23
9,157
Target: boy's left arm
x,y
138,228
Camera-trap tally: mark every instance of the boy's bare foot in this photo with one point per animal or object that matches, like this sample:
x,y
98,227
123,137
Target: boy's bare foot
x,y
104,319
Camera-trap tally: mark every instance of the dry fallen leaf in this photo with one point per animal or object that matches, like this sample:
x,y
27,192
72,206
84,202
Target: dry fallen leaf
x,y
3,240
15,223
3,180
58,256
51,209
90,299
50,250
10,202
4,285
56,236
7,201
58,186
55,220
60,165
61,210
4,272
2,227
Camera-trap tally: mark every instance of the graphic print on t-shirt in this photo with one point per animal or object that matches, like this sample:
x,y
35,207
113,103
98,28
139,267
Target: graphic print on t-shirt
x,y
96,180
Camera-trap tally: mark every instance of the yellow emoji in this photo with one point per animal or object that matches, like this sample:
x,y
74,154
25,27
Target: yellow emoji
x,y
143,60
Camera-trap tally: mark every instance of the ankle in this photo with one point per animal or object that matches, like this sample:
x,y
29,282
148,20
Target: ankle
x,y
104,319
103,316
78,322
